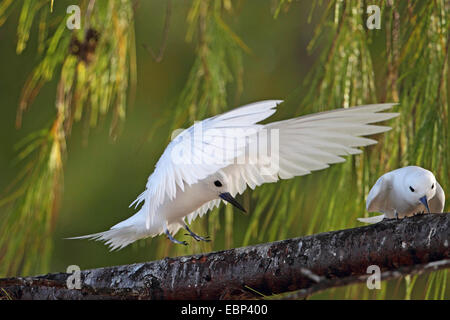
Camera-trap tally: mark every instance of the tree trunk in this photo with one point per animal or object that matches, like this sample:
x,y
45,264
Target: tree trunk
x,y
308,264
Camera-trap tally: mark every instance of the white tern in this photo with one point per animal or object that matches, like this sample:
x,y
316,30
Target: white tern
x,y
404,192
215,159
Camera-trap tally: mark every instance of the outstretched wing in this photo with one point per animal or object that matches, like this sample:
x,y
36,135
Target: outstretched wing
x,y
306,144
201,150
203,210
313,142
437,203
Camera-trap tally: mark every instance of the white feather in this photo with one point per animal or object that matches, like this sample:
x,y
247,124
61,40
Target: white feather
x,y
397,194
173,192
374,219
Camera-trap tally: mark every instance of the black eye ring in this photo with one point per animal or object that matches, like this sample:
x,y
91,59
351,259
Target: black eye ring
x,y
432,186
217,183
411,188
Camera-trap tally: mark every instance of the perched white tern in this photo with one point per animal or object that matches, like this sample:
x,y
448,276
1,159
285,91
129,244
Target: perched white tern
x,y
404,192
217,158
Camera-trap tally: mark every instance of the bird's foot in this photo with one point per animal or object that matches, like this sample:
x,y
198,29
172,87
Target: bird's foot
x,y
175,240
178,241
195,236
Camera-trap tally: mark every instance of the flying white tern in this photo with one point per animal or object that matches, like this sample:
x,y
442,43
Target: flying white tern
x,y
217,158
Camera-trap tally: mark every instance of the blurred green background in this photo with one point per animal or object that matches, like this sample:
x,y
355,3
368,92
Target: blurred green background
x,y
104,174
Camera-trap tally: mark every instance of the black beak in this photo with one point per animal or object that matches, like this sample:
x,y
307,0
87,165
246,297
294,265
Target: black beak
x,y
229,198
425,202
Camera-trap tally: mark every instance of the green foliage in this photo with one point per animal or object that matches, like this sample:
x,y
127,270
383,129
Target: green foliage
x,y
96,65
218,62
97,61
35,203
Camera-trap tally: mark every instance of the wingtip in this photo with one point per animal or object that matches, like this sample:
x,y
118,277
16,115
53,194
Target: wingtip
x,y
388,105
275,102
371,220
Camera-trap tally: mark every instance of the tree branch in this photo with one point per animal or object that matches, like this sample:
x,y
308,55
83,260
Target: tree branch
x,y
308,264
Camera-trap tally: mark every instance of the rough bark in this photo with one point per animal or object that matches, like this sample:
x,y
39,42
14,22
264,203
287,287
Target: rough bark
x,y
308,264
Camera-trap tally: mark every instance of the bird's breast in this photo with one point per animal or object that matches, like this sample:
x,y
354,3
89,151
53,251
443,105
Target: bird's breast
x,y
185,202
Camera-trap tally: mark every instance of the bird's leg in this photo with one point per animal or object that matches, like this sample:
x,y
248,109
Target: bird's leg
x,y
396,215
195,236
173,239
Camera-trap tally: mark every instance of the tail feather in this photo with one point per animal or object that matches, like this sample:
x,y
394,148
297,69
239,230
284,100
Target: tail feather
x,y
375,219
116,239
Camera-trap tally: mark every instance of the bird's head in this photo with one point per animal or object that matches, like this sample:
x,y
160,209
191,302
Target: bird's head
x,y
420,187
217,183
